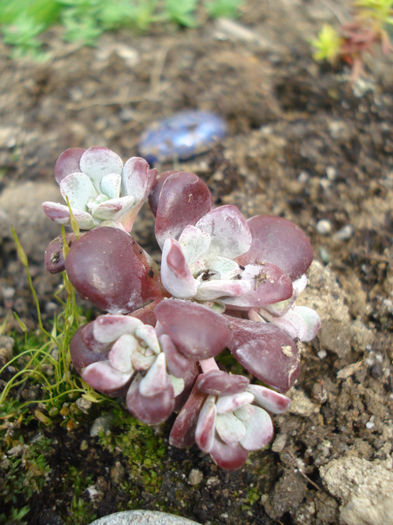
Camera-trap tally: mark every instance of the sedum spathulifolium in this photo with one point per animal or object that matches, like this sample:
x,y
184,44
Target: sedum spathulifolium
x,y
225,284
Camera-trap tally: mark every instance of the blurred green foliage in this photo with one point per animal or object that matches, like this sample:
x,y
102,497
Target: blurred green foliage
x,y
83,21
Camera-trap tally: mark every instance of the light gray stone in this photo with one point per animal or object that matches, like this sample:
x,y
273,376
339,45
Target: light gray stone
x,y
143,517
364,488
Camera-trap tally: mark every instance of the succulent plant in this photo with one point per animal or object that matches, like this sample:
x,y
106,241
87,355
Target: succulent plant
x,y
226,284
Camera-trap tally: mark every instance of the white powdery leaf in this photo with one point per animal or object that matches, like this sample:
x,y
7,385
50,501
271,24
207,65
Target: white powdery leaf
x,y
244,413
177,383
233,402
121,352
300,322
194,243
220,289
79,189
175,274
222,268
135,178
229,232
98,161
205,428
148,334
110,185
107,328
259,430
311,320
156,380
102,376
60,214
141,360
269,399
230,428
112,209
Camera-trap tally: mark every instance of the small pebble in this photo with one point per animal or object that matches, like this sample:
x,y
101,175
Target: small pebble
x,y
331,172
101,424
322,354
279,443
345,233
324,227
195,477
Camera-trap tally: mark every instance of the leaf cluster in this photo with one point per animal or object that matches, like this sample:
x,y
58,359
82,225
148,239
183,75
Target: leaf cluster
x,y
83,21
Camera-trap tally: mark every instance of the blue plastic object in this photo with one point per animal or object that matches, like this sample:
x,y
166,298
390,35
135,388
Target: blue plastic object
x,y
181,136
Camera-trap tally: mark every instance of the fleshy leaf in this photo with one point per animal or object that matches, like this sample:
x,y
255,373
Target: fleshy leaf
x,y
299,322
110,269
216,382
68,162
228,456
99,161
120,354
183,430
232,402
269,285
205,429
156,380
265,351
194,243
104,378
79,189
228,229
82,353
108,328
151,410
175,273
184,198
269,399
230,428
278,241
110,185
197,331
259,430
61,214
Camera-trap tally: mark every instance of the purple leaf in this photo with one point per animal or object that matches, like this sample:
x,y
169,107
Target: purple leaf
x,y
175,273
228,457
279,241
84,349
265,351
54,258
68,162
183,430
177,364
151,410
110,269
270,285
205,428
216,382
103,377
184,198
269,399
197,331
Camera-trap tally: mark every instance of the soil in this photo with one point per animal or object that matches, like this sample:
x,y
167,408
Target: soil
x,y
305,143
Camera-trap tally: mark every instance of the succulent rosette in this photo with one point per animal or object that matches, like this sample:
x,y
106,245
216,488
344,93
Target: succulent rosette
x,y
99,188
225,284
231,419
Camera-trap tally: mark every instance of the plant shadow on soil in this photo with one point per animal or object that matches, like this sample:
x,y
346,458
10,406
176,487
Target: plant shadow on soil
x,y
303,143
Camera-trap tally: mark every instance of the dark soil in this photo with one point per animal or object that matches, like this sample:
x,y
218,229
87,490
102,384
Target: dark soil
x,y
304,143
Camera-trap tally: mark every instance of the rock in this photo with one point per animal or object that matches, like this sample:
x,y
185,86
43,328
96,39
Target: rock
x,y
301,405
20,208
143,517
195,477
364,488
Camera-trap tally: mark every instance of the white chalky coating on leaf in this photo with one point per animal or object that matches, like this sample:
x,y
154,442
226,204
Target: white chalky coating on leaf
x,y
230,428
